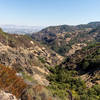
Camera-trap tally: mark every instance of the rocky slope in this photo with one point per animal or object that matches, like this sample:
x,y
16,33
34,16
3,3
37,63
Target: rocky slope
x,y
30,60
27,56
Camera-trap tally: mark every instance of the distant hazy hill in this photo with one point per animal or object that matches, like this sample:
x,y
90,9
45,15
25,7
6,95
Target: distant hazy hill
x,y
89,25
20,29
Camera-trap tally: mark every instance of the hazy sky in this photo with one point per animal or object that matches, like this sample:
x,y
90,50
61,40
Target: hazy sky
x,y
49,12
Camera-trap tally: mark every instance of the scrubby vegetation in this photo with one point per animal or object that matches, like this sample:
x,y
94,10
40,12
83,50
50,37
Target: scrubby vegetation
x,y
66,77
42,59
9,81
62,80
91,61
14,40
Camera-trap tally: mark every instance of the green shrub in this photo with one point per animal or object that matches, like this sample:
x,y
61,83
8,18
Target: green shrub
x,y
42,59
85,65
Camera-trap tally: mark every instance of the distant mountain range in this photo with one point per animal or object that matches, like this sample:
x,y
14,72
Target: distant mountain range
x,y
16,29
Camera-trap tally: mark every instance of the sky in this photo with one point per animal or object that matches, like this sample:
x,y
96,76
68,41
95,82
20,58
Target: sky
x,y
49,12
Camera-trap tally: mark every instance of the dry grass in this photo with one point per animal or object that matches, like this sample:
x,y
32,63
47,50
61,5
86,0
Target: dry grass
x,y
10,82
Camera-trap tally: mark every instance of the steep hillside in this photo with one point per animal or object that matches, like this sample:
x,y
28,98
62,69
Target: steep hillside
x,y
95,33
87,63
79,74
27,56
28,60
14,87
62,38
10,82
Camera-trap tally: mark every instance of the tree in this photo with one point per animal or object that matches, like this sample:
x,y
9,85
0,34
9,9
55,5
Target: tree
x,y
85,65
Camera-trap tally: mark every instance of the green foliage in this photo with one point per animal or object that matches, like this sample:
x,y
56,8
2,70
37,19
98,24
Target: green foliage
x,y
85,65
89,57
91,61
92,93
28,77
60,49
62,80
67,35
42,59
1,30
